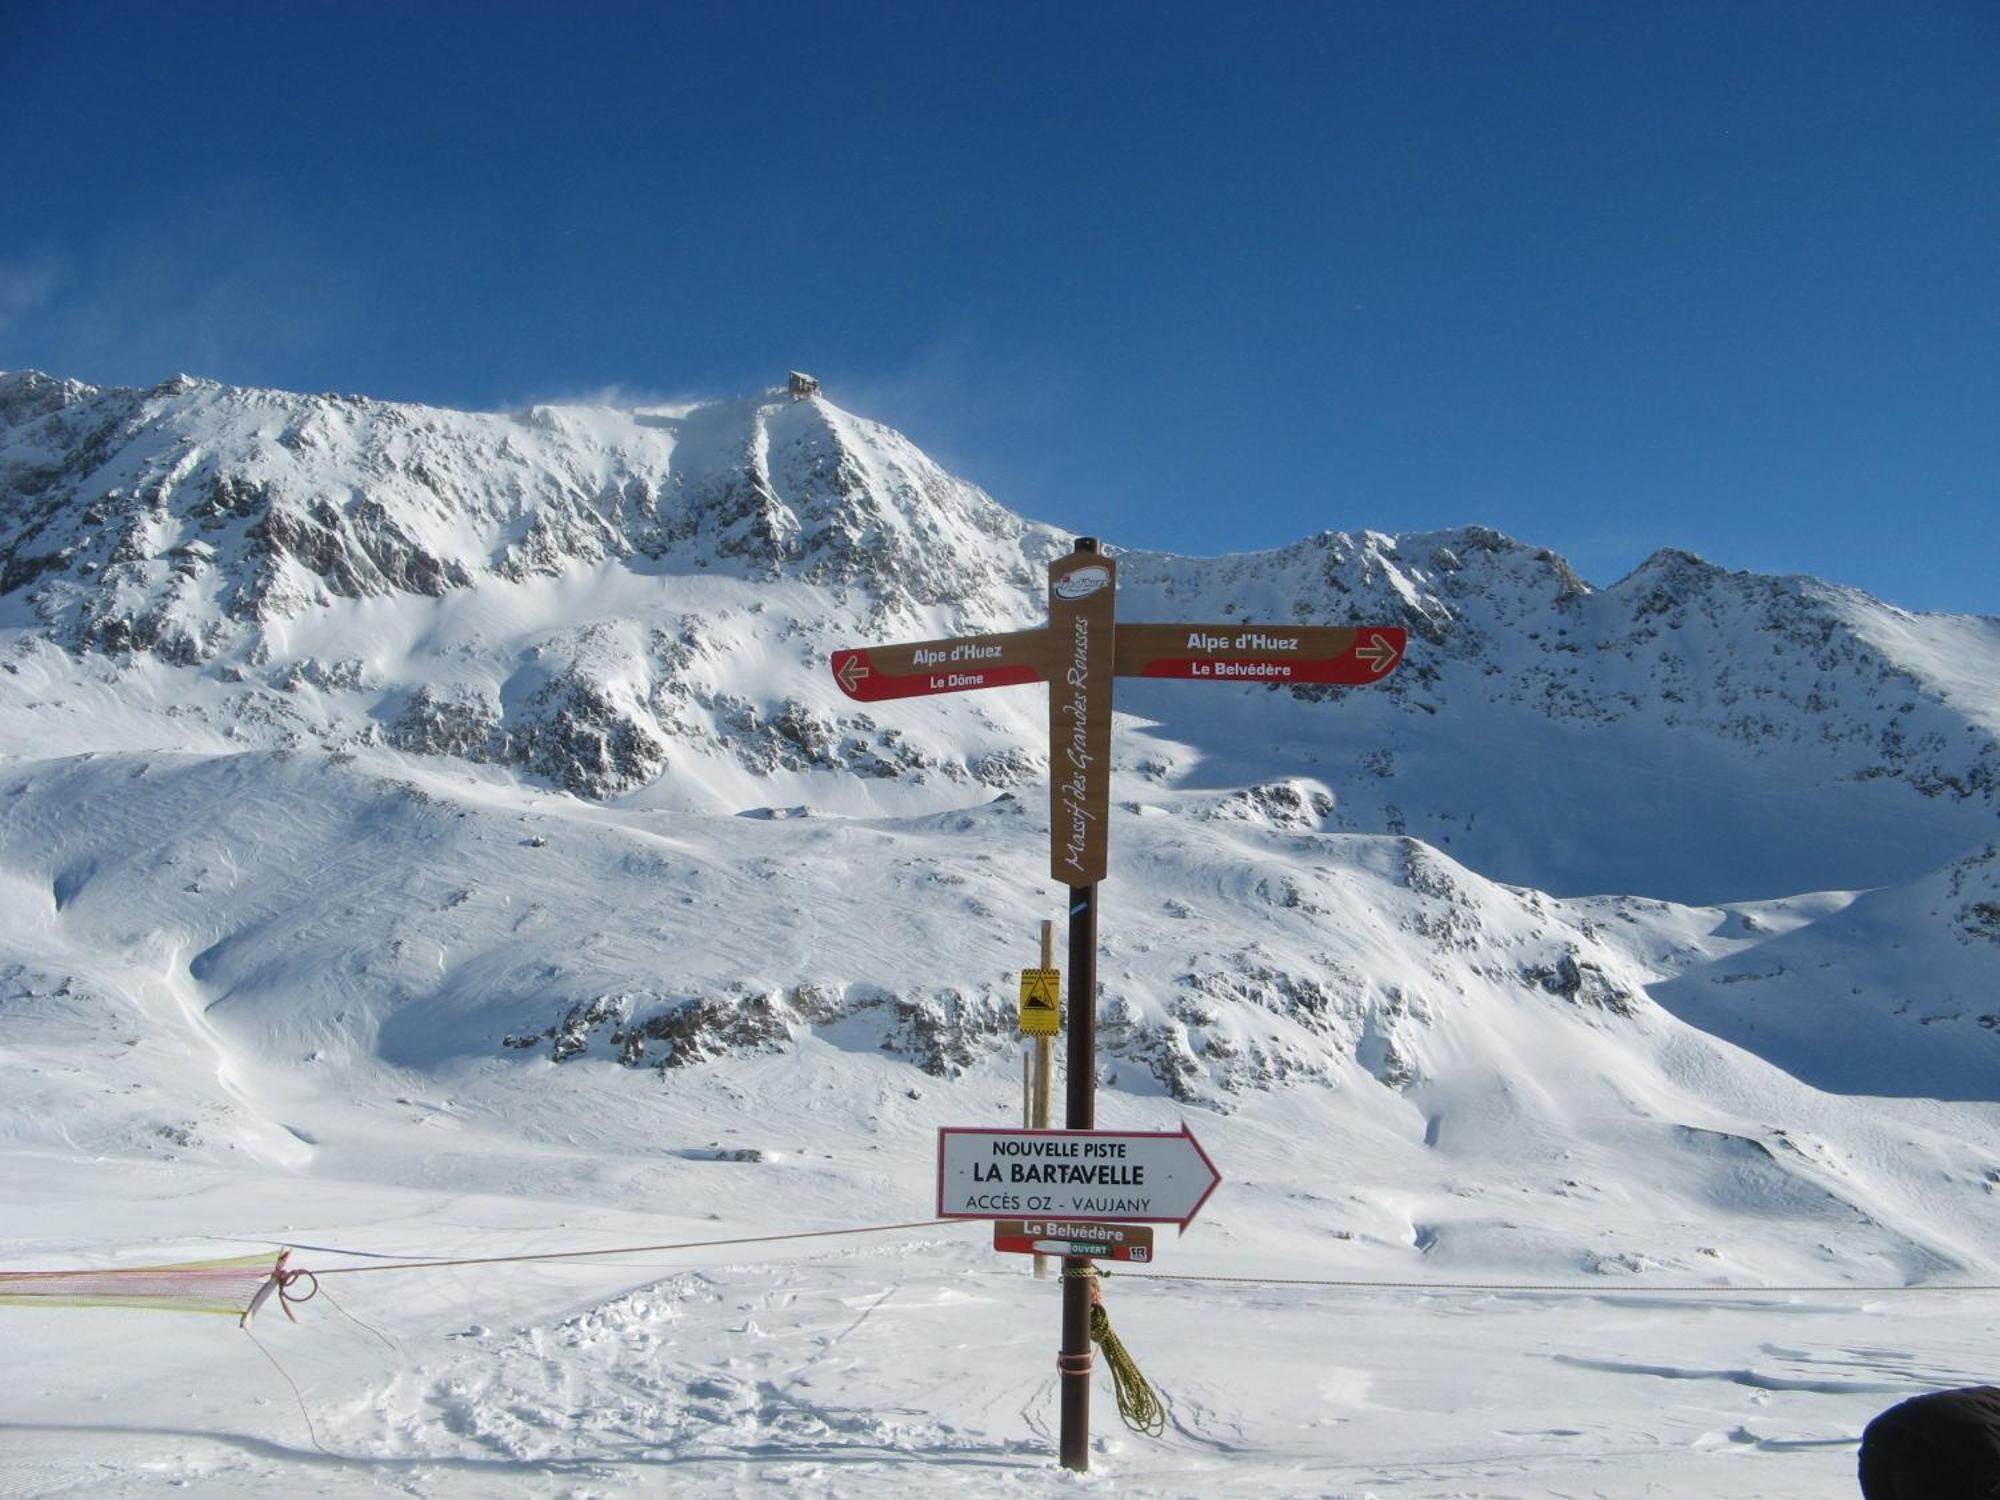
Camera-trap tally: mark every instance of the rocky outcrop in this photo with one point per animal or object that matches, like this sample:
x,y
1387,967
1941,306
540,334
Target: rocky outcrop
x,y
944,1032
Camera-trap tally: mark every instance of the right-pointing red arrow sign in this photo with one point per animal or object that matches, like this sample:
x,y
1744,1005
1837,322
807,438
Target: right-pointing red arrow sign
x,y
1236,652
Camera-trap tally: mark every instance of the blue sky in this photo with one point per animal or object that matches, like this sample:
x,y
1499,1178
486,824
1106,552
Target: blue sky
x,y
1608,276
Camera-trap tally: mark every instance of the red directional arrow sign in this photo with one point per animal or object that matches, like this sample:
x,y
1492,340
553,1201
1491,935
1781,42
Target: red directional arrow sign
x,y
1106,1176
1353,656
916,669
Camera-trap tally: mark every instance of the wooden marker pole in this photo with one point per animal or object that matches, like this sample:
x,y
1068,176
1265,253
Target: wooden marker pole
x,y
1043,1082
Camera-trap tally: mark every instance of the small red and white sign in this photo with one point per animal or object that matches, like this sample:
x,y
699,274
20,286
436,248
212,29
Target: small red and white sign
x,y
1128,1242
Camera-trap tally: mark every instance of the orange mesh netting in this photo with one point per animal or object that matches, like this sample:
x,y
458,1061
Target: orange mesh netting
x,y
231,1287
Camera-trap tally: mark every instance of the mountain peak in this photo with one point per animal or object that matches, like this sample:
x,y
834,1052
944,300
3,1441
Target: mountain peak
x,y
582,591
1678,563
307,499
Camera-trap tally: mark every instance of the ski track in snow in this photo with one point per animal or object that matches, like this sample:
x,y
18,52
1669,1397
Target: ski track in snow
x,y
880,1370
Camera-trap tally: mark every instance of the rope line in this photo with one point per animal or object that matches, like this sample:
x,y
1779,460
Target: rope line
x,y
545,1255
380,1337
243,1287
111,1286
311,1431
1569,1288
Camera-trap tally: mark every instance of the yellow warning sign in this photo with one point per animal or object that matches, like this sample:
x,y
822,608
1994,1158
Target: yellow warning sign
x,y
1041,1002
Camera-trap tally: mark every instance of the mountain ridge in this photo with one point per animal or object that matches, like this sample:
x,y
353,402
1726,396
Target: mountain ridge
x,y
1693,870
640,604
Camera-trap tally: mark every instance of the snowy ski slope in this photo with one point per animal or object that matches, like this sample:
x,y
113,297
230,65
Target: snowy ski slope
x,y
430,834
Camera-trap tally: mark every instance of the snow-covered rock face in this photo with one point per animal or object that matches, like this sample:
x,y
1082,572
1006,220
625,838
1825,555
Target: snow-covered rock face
x,y
638,605
196,524
602,599
160,519
1790,666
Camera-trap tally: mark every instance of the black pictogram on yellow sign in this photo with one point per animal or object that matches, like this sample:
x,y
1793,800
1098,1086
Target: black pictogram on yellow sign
x,y
1041,1002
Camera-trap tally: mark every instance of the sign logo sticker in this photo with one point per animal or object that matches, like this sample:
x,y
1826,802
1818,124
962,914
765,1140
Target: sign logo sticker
x,y
1082,583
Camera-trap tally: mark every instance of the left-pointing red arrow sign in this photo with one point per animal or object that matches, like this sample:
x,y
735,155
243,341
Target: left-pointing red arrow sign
x,y
915,669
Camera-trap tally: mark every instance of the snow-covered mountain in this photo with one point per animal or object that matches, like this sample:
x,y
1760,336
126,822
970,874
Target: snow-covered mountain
x,y
241,595
640,604
403,797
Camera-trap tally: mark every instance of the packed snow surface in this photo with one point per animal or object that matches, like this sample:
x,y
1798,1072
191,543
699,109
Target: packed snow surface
x,y
436,836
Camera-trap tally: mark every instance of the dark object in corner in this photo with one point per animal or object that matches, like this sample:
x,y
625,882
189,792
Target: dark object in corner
x,y
1943,1446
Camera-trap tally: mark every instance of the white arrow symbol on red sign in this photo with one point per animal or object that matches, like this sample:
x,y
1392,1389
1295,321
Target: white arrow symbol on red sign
x,y
1378,653
851,673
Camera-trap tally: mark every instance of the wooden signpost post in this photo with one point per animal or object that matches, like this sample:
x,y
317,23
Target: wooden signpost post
x,y
1078,653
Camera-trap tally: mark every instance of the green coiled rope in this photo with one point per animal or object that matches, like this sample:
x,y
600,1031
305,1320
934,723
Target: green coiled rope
x,y
1138,1403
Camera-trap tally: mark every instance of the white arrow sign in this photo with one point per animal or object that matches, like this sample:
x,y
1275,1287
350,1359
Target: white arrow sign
x,y
1145,1177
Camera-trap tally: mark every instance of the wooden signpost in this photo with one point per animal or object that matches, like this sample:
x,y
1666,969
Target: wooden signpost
x,y
1078,653
1082,591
